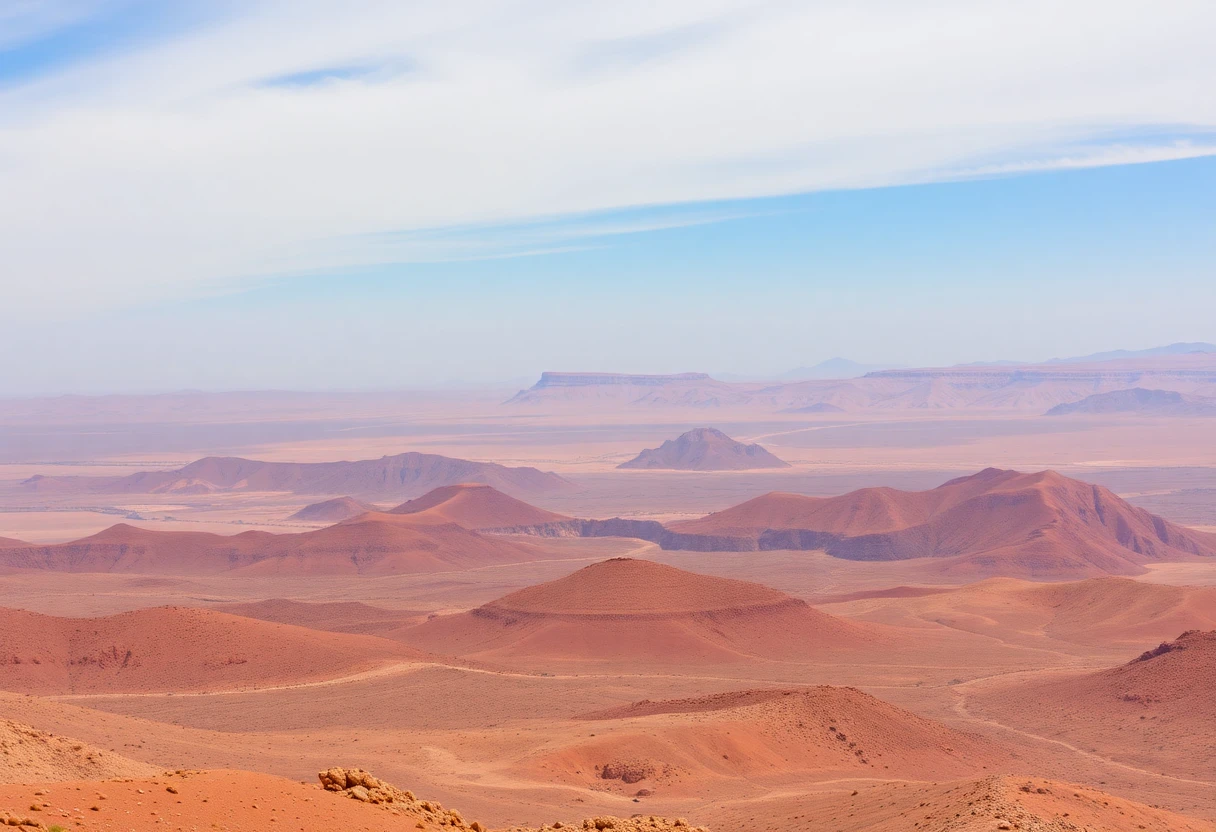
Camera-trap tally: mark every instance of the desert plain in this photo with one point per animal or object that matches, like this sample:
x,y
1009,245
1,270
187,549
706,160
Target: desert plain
x,y
909,607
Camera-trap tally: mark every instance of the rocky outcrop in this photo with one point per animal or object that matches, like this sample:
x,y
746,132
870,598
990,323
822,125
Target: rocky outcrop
x,y
359,785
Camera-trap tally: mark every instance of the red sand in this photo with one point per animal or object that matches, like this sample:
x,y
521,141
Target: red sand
x,y
174,649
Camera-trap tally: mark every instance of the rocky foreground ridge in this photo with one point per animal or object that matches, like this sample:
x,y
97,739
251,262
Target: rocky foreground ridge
x,y
359,785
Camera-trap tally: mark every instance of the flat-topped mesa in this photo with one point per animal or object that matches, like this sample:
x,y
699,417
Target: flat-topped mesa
x,y
555,379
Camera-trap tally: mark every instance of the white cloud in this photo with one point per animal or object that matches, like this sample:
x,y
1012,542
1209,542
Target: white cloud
x,y
149,173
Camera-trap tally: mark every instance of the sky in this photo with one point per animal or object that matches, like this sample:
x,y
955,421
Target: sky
x,y
311,195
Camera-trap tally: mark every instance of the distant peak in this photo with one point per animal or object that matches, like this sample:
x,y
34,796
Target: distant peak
x,y
704,449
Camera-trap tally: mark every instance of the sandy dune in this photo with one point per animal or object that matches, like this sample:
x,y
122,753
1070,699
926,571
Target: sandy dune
x,y
174,649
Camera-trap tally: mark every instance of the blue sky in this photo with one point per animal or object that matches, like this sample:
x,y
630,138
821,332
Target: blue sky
x,y
232,196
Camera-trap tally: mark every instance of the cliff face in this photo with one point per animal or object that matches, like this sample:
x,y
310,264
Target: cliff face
x,y
1031,388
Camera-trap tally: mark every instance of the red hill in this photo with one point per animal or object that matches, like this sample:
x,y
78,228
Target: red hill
x,y
704,449
174,649
332,511
995,522
691,745
636,610
474,506
371,544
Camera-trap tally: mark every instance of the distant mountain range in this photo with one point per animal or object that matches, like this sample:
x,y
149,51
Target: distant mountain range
x,y
1139,401
1186,369
1181,348
835,368
400,476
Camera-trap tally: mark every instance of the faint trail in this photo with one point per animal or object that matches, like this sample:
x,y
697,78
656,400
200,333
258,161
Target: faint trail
x,y
375,673
413,666
960,708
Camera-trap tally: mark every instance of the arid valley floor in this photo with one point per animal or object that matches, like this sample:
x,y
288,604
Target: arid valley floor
x,y
906,610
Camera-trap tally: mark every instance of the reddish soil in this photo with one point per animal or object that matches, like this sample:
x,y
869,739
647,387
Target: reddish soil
x,y
1031,804
28,755
1110,613
175,649
234,800
691,746
1156,711
474,506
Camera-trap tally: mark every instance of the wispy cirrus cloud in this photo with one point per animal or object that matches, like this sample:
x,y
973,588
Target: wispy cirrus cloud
x,y
241,140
